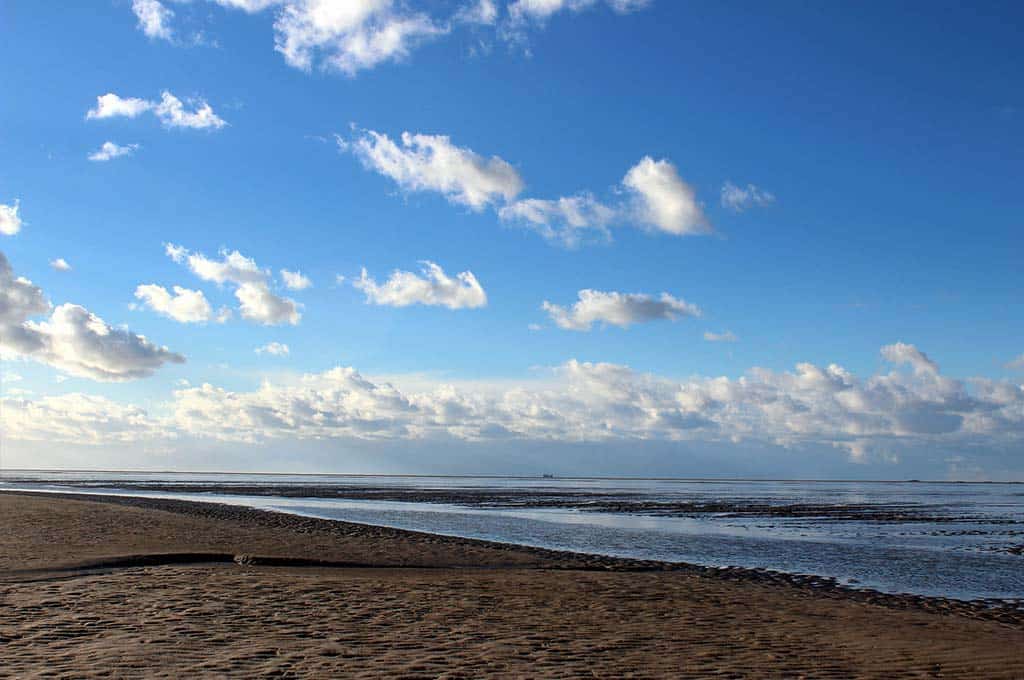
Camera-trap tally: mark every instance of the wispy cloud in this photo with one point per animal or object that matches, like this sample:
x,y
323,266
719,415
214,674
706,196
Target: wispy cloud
x,y
154,18
739,199
725,336
109,151
278,349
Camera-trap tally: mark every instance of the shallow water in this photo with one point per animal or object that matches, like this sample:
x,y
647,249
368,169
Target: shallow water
x,y
926,538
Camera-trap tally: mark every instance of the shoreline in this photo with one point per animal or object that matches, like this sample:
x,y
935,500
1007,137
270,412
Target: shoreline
x,y
125,586
1008,611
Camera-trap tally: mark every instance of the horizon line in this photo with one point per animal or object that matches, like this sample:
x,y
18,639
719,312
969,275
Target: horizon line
x,y
518,476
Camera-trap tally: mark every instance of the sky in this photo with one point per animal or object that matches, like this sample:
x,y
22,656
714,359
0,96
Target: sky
x,y
590,237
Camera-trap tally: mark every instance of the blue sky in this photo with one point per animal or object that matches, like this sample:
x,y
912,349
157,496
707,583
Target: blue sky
x,y
885,144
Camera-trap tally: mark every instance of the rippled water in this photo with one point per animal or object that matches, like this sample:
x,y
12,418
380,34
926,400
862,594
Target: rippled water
x,y
952,540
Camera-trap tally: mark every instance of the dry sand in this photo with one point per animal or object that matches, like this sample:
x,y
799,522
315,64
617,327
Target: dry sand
x,y
130,587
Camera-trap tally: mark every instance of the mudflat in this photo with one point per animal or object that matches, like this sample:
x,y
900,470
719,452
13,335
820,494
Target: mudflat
x,y
120,587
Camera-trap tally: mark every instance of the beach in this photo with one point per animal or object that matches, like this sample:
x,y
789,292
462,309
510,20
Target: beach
x,y
121,587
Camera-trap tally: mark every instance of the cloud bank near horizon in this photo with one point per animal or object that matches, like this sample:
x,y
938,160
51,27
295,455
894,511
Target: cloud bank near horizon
x,y
876,419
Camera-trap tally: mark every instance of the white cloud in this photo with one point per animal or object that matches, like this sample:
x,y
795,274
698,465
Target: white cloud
x,y
154,18
111,105
233,267
184,305
72,339
80,343
663,200
659,198
60,265
10,221
541,10
278,349
619,309
78,419
812,409
900,353
257,302
250,6
726,336
740,199
432,287
169,110
110,151
172,113
433,163
349,36
564,219
295,280
1016,363
478,12
19,298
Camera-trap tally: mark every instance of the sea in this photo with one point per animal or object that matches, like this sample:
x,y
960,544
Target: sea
x,y
945,539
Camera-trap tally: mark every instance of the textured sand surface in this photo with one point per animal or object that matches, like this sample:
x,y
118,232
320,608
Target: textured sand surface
x,y
73,605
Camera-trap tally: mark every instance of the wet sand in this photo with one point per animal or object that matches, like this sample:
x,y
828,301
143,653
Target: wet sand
x,y
128,587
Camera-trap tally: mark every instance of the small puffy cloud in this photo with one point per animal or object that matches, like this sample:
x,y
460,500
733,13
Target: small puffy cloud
x,y
432,163
257,302
431,287
663,201
176,252
295,280
726,336
619,309
739,199
169,110
110,151
111,105
278,349
10,221
72,338
172,114
154,18
60,265
1017,363
233,267
349,36
184,305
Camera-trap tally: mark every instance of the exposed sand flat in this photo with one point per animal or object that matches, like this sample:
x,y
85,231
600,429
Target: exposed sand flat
x,y
527,614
